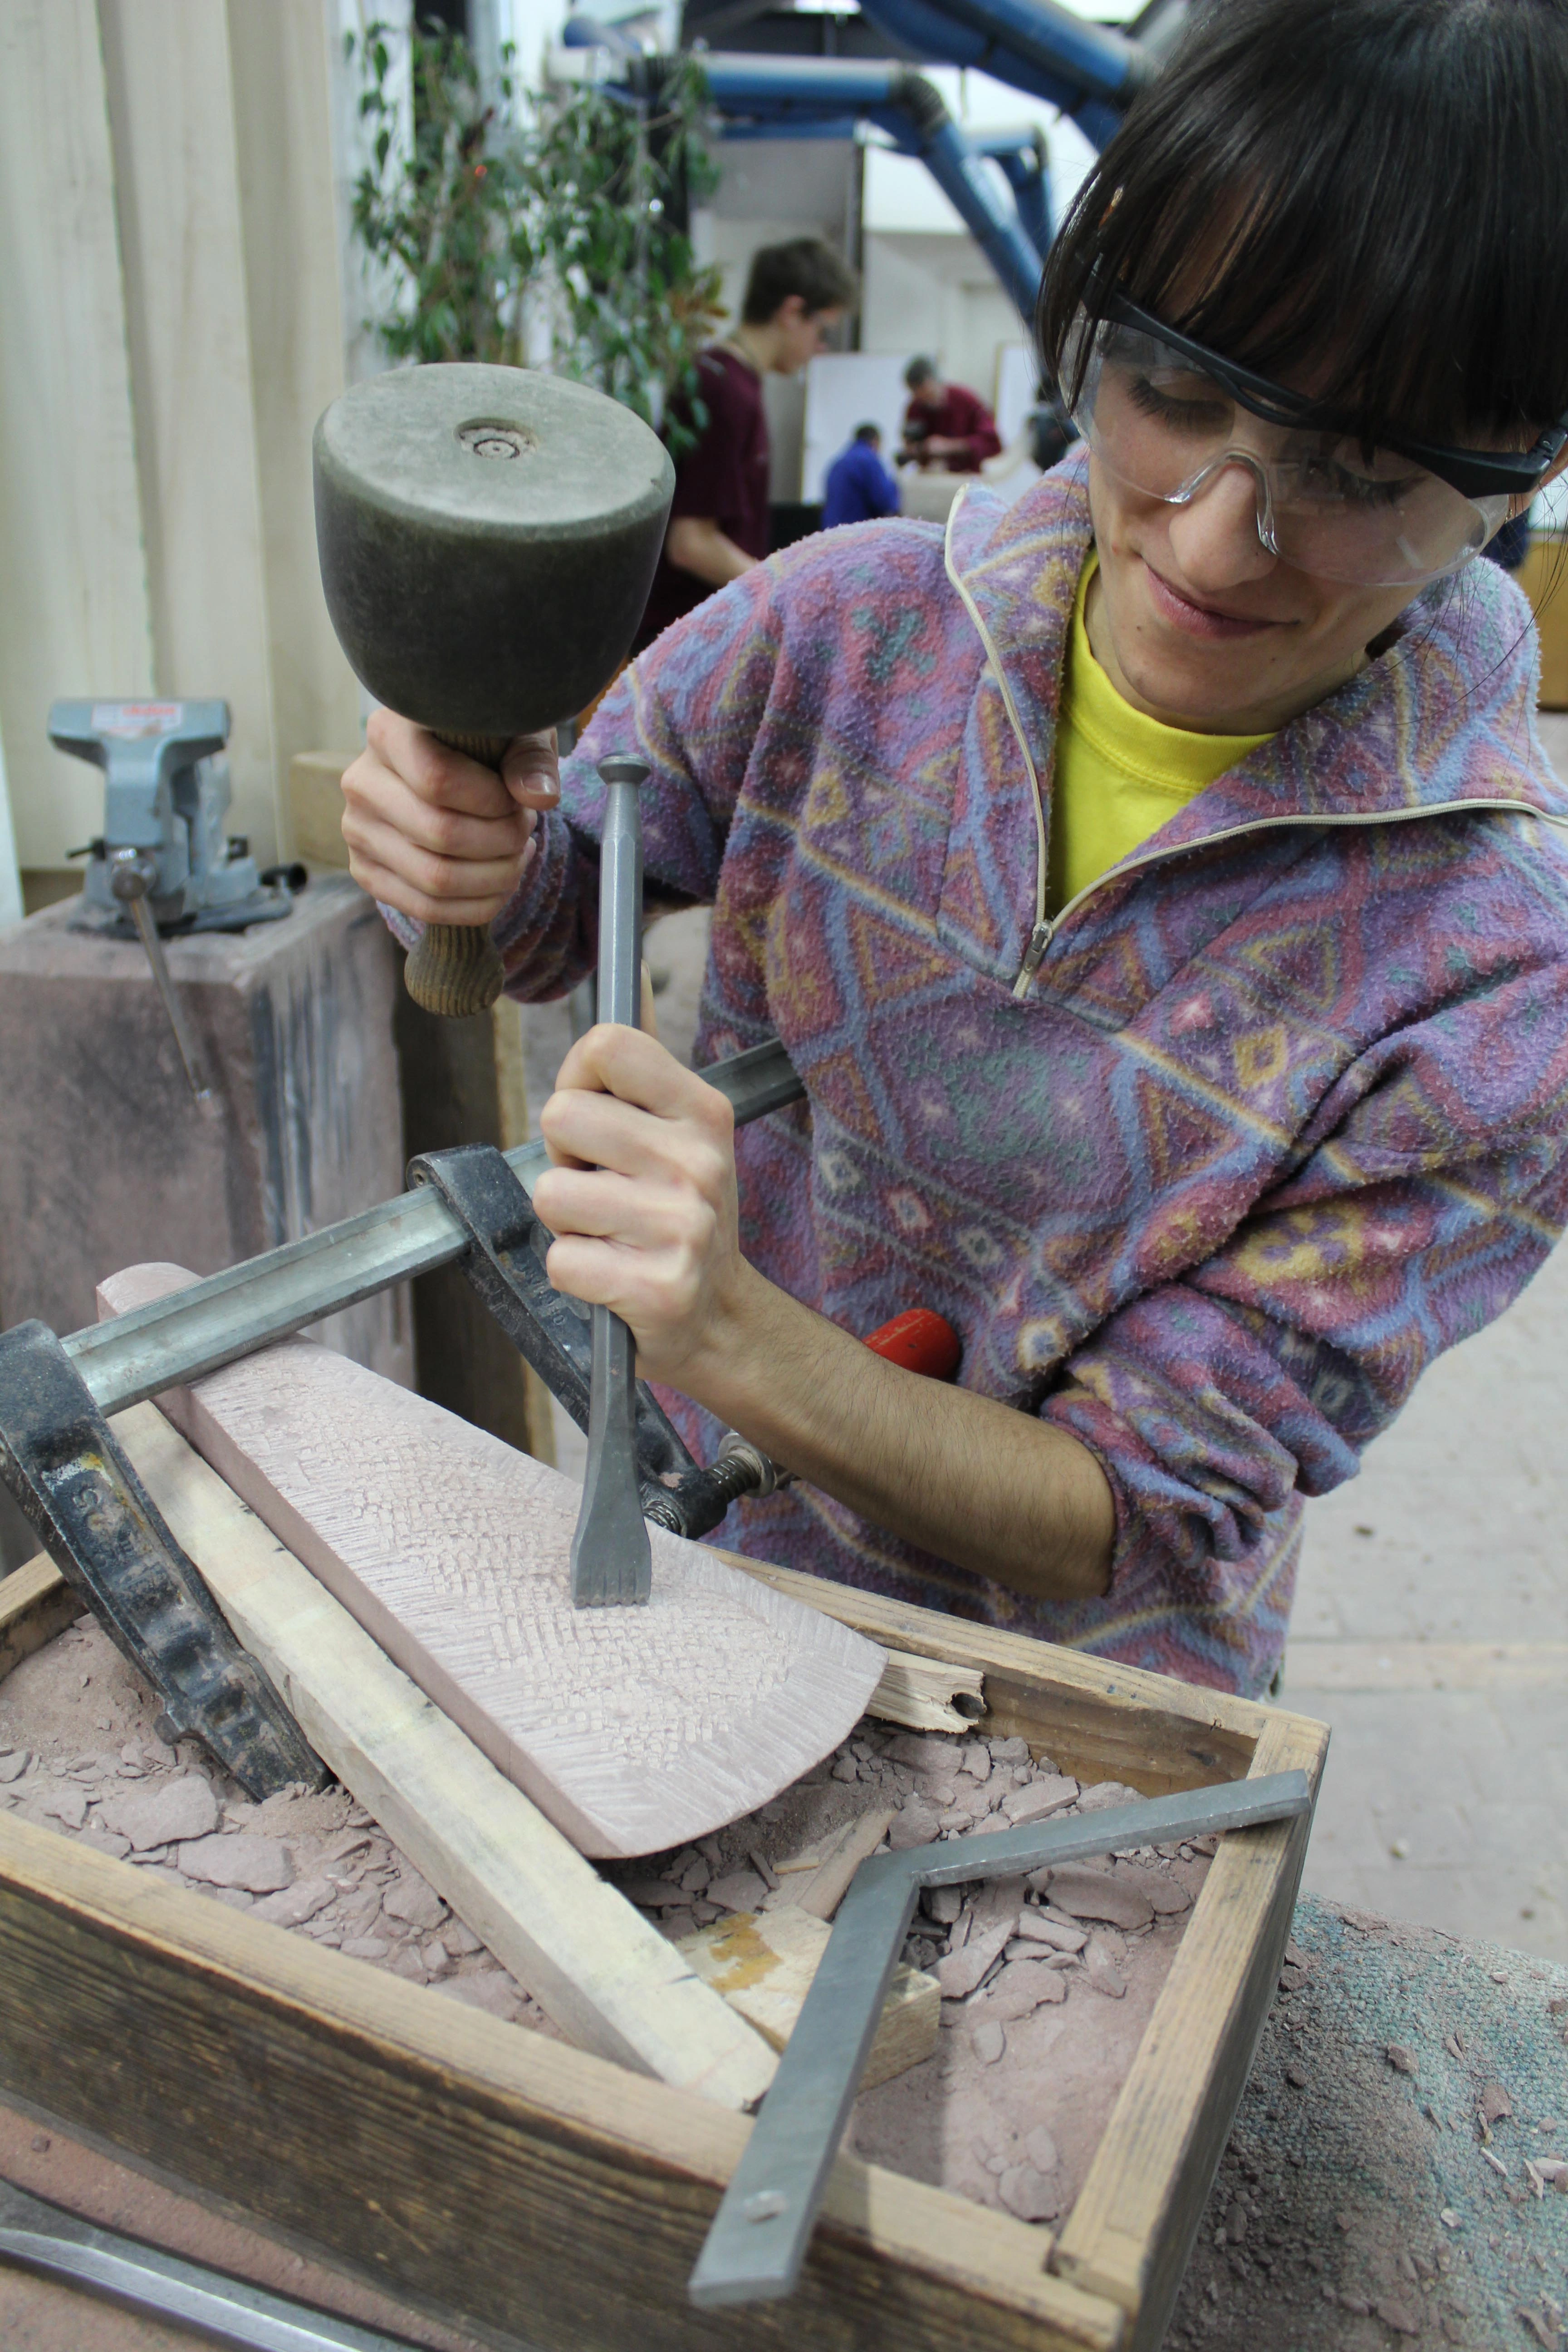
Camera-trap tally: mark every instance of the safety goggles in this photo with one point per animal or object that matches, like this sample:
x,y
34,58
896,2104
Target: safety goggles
x,y
1165,415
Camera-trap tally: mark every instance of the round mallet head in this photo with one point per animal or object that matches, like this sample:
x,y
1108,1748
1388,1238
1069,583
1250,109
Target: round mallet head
x,y
488,538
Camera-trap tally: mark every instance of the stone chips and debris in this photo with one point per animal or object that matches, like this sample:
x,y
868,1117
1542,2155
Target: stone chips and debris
x,y
1394,2177
1046,1982
1397,2174
78,1753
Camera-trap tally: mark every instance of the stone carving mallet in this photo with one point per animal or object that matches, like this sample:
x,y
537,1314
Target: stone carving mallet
x,y
488,538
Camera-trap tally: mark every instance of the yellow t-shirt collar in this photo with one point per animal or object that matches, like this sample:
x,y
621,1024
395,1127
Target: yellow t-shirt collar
x,y
1171,758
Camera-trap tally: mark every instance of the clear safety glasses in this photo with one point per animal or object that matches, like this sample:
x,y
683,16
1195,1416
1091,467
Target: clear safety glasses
x,y
1166,416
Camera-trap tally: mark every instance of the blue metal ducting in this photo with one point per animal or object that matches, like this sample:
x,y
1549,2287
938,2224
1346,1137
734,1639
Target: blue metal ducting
x,y
1092,71
581,32
1024,165
763,96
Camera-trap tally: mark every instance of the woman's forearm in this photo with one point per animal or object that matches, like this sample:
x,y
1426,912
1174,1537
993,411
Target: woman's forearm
x,y
971,1480
643,1202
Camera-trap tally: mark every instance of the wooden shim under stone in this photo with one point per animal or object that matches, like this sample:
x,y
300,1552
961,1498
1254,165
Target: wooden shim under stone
x,y
829,1882
610,1981
633,1729
763,1961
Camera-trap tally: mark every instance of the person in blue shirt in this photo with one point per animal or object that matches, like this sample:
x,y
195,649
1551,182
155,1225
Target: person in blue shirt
x,y
859,487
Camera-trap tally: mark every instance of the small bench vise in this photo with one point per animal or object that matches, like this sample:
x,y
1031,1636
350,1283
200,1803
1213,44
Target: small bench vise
x,y
163,861
166,796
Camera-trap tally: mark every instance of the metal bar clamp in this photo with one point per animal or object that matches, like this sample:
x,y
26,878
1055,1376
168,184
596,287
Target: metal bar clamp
x,y
109,1541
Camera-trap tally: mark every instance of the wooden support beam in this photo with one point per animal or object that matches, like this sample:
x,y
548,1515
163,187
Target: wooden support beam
x,y
463,1082
606,1975
313,809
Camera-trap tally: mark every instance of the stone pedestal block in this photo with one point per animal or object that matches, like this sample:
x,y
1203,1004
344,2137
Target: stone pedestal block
x,y
105,1159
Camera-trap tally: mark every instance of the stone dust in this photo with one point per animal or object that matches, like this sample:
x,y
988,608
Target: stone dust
x,y
1048,1981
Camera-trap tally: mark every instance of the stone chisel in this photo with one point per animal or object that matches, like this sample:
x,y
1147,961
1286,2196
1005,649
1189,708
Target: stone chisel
x,y
611,1559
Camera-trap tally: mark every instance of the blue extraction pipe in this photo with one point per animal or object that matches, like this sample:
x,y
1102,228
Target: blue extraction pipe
x,y
774,97
1092,71
998,185
1021,159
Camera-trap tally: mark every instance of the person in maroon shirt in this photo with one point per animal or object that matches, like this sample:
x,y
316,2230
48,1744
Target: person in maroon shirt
x,y
944,424
719,520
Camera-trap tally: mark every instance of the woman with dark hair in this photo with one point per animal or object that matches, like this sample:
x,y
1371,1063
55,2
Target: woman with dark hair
x,y
1158,885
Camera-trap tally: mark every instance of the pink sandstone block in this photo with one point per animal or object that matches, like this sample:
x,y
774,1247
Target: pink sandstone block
x,y
633,1729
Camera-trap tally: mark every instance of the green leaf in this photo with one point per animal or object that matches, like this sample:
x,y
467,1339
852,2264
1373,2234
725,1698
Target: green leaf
x,y
567,214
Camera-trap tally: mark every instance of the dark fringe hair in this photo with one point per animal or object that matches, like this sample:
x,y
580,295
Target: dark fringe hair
x,y
1372,194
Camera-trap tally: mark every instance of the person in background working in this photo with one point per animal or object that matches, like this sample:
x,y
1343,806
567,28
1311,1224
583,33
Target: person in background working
x,y
944,424
859,487
719,520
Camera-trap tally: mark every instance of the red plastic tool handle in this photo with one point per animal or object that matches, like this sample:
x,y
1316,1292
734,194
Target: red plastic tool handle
x,y
922,1340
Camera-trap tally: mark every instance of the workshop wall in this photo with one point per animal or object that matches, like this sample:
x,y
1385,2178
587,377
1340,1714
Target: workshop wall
x,y
170,283
928,290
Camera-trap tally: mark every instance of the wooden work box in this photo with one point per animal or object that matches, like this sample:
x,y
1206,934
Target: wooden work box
x,y
554,2199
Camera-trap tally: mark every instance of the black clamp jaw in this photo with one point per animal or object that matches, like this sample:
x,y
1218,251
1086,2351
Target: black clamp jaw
x,y
112,1544
504,1262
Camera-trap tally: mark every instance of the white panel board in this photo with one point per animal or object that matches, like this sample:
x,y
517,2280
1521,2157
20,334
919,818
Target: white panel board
x,y
901,195
10,876
844,389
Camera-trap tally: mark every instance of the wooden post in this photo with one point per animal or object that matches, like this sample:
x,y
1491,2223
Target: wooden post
x,y
463,1082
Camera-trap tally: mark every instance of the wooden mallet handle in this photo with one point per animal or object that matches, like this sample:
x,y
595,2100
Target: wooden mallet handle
x,y
455,969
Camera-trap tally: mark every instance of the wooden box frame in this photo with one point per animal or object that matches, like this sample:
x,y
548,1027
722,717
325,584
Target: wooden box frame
x,y
553,2200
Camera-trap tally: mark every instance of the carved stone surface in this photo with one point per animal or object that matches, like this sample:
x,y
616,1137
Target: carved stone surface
x,y
633,1729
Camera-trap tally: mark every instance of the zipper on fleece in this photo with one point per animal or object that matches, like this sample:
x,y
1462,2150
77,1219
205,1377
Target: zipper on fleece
x,y
1045,927
1040,938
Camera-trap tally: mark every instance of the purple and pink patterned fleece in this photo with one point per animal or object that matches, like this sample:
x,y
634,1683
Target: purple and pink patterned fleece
x,y
1278,1119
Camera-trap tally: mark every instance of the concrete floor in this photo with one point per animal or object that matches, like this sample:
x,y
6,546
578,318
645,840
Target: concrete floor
x,y
1431,1631
1431,1624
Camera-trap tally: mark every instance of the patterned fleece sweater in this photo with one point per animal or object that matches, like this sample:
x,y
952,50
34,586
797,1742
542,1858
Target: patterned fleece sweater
x,y
1208,1171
